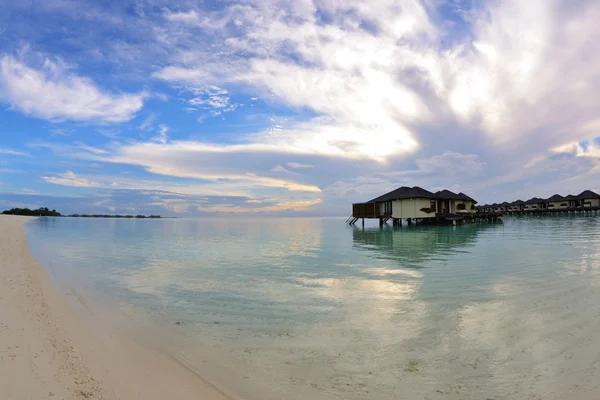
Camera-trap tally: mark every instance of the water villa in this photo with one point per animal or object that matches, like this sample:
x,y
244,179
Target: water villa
x,y
415,204
586,201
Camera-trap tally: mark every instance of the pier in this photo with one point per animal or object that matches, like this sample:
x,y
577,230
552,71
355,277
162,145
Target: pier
x,y
570,210
439,219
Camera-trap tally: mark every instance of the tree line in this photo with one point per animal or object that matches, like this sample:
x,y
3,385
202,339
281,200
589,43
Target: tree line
x,y
46,212
40,212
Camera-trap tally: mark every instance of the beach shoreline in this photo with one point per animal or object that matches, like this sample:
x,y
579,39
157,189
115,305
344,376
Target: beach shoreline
x,y
49,352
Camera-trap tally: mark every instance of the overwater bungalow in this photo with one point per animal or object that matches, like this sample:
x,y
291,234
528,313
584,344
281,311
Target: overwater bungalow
x,y
557,202
518,205
535,203
589,199
503,206
414,203
585,201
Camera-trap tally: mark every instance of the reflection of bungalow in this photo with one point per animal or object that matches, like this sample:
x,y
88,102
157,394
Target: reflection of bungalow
x,y
557,202
409,248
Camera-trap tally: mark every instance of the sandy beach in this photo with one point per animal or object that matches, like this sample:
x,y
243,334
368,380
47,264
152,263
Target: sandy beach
x,y
47,352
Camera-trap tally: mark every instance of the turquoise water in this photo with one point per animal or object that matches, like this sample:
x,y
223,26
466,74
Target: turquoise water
x,y
315,309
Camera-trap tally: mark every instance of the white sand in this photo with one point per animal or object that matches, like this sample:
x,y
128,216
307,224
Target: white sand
x,y
47,352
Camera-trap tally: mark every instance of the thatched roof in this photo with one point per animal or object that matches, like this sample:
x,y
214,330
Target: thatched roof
x,y
587,194
404,192
464,197
535,200
446,195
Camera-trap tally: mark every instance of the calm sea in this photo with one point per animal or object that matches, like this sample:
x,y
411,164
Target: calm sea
x,y
316,309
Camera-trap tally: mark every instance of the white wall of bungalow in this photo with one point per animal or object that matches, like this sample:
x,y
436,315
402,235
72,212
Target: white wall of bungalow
x,y
413,208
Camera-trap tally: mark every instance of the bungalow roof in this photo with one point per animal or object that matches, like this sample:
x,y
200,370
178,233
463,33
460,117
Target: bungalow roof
x,y
404,192
446,195
517,203
556,197
463,196
587,194
534,200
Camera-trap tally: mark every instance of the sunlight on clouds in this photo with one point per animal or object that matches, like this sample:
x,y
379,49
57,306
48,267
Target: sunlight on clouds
x,y
379,83
277,207
584,149
183,198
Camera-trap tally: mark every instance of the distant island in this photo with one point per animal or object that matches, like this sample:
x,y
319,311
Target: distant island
x,y
46,212
40,212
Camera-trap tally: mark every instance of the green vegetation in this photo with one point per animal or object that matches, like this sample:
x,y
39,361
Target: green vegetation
x,y
45,212
427,210
412,366
40,212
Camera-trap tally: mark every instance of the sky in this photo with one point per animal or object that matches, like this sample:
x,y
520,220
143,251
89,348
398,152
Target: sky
x,y
293,107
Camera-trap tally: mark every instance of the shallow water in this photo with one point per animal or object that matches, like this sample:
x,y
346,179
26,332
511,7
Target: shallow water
x,y
313,308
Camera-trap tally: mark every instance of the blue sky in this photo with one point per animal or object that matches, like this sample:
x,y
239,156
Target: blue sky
x,y
293,107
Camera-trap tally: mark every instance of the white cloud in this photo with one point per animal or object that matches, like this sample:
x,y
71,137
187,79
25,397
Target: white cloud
x,y
147,123
377,72
12,152
279,168
584,149
229,197
162,134
70,179
181,74
298,165
451,164
189,17
52,92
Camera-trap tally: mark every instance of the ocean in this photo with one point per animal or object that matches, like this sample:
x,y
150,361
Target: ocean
x,y
315,309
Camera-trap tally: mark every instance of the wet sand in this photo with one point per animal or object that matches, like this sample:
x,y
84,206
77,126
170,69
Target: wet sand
x,y
48,352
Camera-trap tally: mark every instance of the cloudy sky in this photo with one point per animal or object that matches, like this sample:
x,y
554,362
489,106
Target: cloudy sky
x,y
294,107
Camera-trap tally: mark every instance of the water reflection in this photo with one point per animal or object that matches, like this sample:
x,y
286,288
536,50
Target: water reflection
x,y
313,309
410,247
